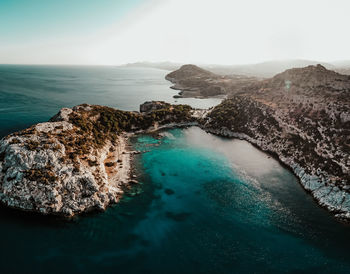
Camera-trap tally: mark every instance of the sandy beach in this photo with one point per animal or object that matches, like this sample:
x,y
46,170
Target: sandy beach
x,y
118,164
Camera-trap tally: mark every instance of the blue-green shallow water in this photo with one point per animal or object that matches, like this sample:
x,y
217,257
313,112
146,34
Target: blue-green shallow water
x,y
205,204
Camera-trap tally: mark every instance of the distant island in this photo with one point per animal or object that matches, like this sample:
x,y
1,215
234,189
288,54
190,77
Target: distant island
x,y
80,161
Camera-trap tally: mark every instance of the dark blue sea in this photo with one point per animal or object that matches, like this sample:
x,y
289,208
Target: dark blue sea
x,y
204,204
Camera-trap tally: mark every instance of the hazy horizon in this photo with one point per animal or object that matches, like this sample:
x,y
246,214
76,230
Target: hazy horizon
x,y
202,32
282,61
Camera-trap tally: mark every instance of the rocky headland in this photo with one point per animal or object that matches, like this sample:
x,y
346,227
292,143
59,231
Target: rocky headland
x,y
78,161
193,81
301,116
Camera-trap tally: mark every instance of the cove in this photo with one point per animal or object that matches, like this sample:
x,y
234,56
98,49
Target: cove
x,y
204,204
222,206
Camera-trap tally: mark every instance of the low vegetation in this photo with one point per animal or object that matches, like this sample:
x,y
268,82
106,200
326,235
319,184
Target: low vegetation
x,y
96,126
44,175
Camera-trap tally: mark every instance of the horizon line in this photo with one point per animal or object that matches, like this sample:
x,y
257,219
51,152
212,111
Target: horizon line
x,y
176,62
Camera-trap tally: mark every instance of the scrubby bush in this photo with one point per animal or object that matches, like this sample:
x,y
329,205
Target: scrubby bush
x,y
43,175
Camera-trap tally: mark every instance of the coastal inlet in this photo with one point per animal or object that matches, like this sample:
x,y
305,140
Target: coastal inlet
x,y
196,192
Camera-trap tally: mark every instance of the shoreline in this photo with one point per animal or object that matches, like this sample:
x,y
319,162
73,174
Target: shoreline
x,y
307,181
79,176
299,172
79,161
118,166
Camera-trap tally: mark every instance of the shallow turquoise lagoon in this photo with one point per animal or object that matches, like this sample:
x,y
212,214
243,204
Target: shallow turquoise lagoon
x,y
203,205
222,206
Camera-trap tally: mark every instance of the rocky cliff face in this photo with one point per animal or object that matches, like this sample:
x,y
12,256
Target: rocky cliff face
x,y
76,162
303,117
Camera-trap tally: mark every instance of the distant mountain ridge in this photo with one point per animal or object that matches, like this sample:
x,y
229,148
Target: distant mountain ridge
x,y
266,69
160,65
313,77
261,70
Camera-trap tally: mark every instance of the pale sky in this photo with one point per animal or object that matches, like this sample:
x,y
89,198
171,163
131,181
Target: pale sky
x,y
109,32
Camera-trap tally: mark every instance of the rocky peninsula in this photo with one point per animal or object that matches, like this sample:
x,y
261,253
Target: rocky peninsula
x,y
78,161
193,81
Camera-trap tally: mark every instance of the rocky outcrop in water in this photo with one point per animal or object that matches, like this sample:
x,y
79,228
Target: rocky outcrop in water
x,y
76,162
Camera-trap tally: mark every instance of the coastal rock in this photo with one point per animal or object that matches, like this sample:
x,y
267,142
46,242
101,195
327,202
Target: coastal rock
x,y
37,173
300,116
76,162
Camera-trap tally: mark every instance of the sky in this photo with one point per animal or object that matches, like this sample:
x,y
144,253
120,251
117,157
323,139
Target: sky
x,y
112,32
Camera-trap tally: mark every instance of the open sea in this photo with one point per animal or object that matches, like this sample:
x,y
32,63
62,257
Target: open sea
x,y
204,204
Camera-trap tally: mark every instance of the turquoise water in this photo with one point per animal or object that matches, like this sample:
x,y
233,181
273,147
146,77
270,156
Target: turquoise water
x,y
203,205
222,206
